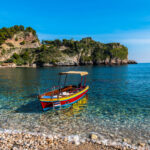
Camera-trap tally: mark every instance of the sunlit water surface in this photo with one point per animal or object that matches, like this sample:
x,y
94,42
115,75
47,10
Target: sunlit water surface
x,y
117,105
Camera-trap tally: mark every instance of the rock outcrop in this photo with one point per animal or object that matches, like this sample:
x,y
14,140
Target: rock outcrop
x,y
24,49
132,62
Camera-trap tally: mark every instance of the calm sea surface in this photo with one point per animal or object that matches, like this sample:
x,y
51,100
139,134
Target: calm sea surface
x,y
117,105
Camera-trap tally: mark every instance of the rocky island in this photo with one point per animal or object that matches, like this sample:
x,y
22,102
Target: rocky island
x,y
20,46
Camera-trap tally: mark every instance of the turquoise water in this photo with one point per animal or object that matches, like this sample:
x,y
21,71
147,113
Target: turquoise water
x,y
117,105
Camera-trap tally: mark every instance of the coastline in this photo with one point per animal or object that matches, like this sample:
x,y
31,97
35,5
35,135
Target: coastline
x,y
31,140
12,65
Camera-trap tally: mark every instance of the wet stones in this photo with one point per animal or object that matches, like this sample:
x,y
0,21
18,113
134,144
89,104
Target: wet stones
x,y
126,140
93,136
42,141
65,139
141,144
75,139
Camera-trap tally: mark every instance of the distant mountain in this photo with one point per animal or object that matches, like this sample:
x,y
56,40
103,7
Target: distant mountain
x,y
20,46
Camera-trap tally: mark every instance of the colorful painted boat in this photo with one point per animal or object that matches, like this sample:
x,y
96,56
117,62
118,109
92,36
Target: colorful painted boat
x,y
67,95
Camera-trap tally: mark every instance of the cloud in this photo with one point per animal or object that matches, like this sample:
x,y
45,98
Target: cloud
x,y
59,36
136,41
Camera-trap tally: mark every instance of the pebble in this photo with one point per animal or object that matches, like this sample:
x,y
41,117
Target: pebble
x,y
141,144
94,136
82,140
65,139
76,139
126,140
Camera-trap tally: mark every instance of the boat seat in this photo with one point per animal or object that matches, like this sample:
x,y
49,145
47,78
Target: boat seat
x,y
65,93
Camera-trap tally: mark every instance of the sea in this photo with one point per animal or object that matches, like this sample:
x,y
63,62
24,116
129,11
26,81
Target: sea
x,y
116,107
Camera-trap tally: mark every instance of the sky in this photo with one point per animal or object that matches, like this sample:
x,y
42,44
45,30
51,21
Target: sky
x,y
124,21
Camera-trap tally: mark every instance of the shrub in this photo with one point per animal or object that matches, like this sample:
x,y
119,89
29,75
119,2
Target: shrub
x,y
3,52
16,39
119,52
22,43
15,56
29,29
33,41
19,61
25,56
10,44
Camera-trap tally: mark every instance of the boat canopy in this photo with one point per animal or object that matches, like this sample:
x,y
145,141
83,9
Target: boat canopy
x,y
82,73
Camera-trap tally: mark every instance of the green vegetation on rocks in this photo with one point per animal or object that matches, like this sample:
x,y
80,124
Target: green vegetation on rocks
x,y
60,52
7,33
88,49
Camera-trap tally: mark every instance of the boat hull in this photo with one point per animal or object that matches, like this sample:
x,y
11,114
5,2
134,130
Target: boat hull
x,y
48,104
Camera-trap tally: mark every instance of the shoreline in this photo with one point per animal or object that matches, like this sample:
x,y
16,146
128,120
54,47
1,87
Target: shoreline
x,y
28,66
13,139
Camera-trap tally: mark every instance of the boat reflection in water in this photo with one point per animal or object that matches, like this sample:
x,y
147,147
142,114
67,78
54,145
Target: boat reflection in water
x,y
76,108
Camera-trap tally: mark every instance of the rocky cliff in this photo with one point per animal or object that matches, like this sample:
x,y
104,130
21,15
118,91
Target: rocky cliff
x,y
21,46
84,52
16,40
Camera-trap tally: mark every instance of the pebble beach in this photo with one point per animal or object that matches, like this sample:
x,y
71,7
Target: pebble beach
x,y
32,141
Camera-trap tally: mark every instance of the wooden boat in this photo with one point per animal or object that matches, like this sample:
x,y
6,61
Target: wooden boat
x,y
66,95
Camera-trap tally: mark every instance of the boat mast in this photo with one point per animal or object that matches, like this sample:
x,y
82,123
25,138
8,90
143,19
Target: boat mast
x,y
59,85
81,81
84,81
